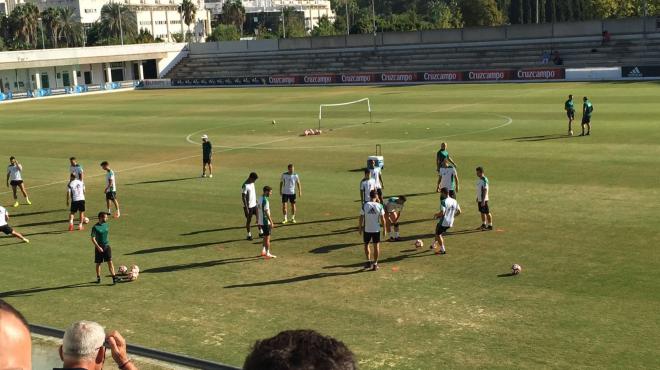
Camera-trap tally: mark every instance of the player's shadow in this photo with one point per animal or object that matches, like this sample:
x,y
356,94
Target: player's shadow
x,y
287,225
333,247
540,138
399,258
31,291
357,169
198,265
161,181
417,194
510,274
172,248
37,213
44,223
295,279
56,232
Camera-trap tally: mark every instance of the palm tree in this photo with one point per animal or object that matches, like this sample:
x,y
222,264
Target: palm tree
x,y
233,13
53,23
71,28
188,10
23,22
112,26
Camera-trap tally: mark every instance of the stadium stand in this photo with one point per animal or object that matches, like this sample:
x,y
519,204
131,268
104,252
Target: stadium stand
x,y
576,52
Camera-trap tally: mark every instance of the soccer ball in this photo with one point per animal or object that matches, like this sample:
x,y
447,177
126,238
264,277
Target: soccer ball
x,y
274,122
86,220
516,269
419,243
123,270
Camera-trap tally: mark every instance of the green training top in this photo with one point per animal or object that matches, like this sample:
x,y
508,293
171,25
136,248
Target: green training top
x,y
588,108
442,155
100,233
569,106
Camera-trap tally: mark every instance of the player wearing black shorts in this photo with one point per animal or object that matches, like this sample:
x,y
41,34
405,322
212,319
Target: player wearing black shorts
x,y
587,109
372,220
5,228
207,156
288,184
569,106
449,209
102,250
249,198
76,192
483,189
15,179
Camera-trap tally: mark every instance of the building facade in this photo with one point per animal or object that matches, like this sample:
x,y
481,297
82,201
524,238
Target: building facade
x,y
160,17
312,10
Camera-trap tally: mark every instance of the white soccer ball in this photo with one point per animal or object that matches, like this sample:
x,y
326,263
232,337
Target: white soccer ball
x,y
516,269
274,122
86,220
123,270
419,243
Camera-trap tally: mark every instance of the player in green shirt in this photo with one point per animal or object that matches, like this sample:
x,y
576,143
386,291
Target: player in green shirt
x,y
207,156
570,113
102,251
587,109
442,155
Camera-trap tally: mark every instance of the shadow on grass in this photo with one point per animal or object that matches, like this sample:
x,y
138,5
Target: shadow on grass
x,y
198,265
161,181
540,138
510,274
333,247
296,279
38,213
242,227
180,247
31,291
57,232
44,223
419,254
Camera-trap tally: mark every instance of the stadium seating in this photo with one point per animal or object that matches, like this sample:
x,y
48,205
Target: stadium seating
x,y
577,52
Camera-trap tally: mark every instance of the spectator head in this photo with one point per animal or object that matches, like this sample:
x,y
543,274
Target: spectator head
x,y
82,346
300,350
15,340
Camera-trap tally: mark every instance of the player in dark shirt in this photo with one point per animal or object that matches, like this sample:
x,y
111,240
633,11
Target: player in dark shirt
x,y
207,156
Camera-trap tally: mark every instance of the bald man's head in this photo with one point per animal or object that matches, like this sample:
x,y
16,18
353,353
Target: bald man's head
x,y
15,340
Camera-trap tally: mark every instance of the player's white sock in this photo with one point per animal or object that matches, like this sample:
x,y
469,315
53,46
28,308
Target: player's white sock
x,y
396,234
249,233
442,248
109,210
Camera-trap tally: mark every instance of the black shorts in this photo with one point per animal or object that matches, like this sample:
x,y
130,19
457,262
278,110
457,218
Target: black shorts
x,y
111,195
206,160
249,212
483,209
105,256
586,119
570,114
78,206
15,182
266,230
371,237
440,230
6,229
291,198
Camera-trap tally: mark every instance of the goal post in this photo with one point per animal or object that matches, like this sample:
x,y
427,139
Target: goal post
x,y
360,101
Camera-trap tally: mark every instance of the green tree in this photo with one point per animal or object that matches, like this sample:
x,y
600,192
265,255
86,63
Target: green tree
x,y
72,30
224,32
446,14
111,26
52,22
144,37
481,13
188,10
324,28
294,25
23,23
233,13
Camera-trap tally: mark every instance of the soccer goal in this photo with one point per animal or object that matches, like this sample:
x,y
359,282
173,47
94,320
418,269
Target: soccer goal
x,y
342,113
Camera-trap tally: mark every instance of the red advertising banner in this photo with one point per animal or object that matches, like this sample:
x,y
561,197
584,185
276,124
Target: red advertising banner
x,y
283,80
446,76
357,78
320,79
540,74
403,77
489,75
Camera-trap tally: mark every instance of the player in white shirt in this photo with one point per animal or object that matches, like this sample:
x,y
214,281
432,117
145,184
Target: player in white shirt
x,y
110,188
249,197
377,174
76,191
483,188
447,178
5,228
366,186
265,221
288,183
449,209
372,220
15,179
393,209
76,169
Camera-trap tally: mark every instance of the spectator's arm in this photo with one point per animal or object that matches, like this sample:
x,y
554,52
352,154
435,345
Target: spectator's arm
x,y
118,346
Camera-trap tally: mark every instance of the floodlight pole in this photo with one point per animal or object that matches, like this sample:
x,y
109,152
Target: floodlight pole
x,y
348,23
537,12
283,25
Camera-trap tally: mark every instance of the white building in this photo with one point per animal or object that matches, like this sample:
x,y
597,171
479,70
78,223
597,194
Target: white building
x,y
160,17
312,9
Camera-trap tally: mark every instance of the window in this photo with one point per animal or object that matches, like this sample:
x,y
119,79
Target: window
x,y
91,11
145,23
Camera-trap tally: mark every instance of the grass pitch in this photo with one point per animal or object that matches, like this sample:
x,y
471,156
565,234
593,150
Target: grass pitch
x,y
579,214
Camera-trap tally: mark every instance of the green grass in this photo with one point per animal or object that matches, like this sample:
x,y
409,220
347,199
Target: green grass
x,y
579,214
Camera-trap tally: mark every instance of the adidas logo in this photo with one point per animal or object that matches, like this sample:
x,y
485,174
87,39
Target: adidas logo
x,y
635,72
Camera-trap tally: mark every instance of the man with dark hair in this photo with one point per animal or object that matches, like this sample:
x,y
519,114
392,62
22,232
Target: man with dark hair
x,y
366,186
372,219
76,169
288,183
376,173
587,109
15,179
15,340
569,106
265,221
449,209
249,197
300,350
483,188
207,156
110,188
102,250
6,229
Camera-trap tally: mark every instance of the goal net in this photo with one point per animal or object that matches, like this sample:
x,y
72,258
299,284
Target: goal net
x,y
344,114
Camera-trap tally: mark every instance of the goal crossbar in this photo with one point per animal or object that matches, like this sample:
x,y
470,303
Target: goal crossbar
x,y
344,104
